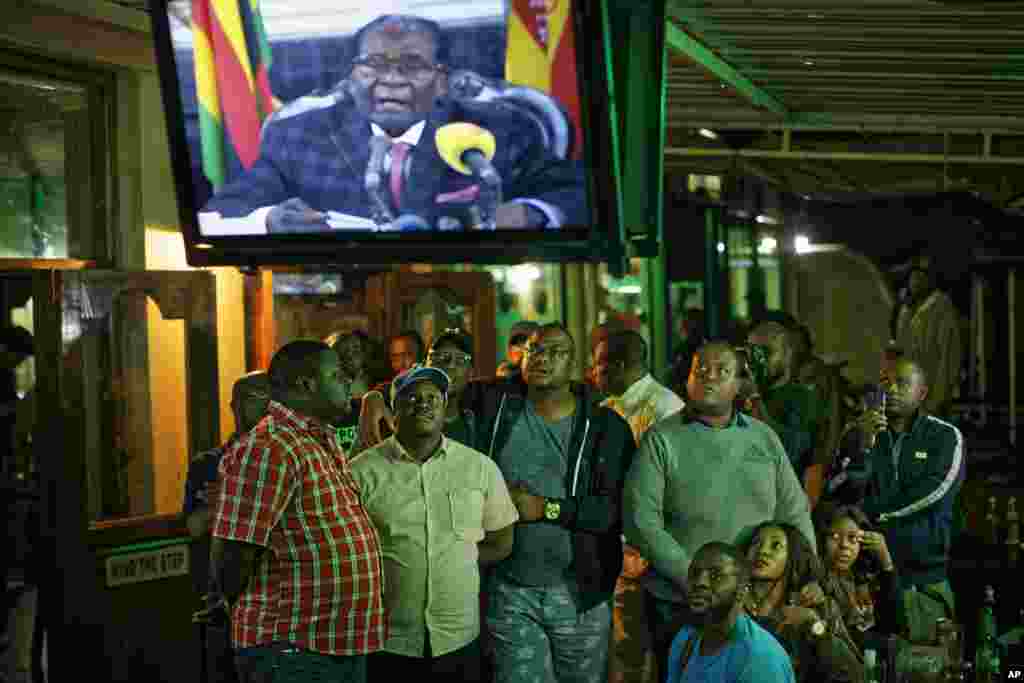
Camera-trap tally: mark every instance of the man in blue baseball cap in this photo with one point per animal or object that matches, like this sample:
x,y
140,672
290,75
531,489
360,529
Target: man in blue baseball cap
x,y
420,373
442,510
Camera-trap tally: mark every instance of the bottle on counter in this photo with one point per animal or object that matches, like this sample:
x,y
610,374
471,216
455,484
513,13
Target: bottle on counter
x,y
871,668
986,653
947,637
1012,533
992,522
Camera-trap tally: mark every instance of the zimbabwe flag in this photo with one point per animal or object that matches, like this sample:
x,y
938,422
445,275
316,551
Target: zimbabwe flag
x,y
232,64
542,53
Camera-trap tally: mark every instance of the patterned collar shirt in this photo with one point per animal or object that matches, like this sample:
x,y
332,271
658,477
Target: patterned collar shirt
x,y
287,487
645,402
431,516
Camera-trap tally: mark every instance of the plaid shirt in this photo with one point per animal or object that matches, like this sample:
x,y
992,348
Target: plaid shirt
x,y
286,486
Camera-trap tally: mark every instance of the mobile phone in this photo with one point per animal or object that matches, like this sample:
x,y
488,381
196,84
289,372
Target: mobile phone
x,y
875,398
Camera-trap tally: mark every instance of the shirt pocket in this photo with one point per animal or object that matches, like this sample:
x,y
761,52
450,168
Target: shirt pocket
x,y
467,514
756,475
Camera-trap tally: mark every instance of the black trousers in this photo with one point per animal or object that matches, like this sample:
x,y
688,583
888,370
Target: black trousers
x,y
220,657
464,665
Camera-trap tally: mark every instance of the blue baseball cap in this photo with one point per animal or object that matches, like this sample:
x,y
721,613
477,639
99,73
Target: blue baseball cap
x,y
419,373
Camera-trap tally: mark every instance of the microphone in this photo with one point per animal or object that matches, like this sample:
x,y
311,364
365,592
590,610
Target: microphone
x,y
468,149
409,222
374,180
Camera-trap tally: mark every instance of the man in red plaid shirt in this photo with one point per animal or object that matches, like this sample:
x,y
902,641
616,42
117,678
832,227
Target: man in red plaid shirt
x,y
298,566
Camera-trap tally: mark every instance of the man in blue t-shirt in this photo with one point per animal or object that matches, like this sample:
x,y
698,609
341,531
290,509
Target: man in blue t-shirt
x,y
724,645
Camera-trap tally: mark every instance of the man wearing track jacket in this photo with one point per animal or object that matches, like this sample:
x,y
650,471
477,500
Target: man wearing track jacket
x,y
911,469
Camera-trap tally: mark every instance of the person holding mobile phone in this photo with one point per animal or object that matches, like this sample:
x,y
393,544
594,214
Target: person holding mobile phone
x,y
910,468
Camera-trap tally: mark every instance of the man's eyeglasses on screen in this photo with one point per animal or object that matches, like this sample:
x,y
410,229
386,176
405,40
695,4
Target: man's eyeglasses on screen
x,y
408,66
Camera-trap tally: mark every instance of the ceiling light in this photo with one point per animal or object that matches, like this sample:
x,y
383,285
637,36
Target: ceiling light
x,y
808,62
519,278
708,133
802,243
204,245
721,247
626,285
767,246
765,219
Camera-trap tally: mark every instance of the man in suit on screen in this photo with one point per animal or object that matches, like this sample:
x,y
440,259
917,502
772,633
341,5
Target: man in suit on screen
x,y
372,152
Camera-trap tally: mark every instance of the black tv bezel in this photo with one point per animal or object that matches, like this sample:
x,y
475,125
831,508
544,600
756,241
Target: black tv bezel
x,y
574,243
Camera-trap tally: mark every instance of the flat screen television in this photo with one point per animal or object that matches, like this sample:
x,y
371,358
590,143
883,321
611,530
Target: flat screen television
x,y
383,131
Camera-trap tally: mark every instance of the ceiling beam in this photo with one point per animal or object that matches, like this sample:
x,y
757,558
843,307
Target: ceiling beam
x,y
684,116
893,157
680,40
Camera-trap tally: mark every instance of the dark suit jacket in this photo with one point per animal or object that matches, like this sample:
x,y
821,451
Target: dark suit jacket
x,y
317,150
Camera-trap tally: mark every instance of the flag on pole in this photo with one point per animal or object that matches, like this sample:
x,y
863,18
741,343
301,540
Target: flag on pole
x,y
232,69
541,53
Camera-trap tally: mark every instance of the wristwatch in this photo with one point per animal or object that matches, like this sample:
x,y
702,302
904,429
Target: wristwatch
x,y
552,509
817,629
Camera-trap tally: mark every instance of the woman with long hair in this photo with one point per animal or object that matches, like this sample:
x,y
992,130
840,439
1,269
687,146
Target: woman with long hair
x,y
859,573
783,563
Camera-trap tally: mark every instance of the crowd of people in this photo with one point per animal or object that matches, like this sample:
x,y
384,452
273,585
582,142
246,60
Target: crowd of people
x,y
533,527
733,524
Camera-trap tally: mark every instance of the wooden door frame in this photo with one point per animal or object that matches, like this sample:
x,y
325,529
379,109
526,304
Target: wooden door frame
x,y
382,306
388,292
72,603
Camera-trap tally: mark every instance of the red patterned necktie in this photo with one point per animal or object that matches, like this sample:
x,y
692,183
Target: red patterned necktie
x,y
399,152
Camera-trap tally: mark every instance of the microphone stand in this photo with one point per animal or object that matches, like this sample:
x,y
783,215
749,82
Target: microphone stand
x,y
490,189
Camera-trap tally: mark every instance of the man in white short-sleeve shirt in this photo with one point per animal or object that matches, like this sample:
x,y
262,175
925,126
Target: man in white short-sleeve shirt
x,y
441,509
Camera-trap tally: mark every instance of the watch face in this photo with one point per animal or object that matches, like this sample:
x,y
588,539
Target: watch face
x,y
818,628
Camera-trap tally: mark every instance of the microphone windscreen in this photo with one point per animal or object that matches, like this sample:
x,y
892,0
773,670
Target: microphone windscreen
x,y
409,222
455,139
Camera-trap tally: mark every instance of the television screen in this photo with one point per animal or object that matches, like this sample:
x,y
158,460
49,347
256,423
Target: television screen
x,y
379,131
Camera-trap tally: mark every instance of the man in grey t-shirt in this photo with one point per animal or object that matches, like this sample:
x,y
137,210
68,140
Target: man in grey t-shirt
x,y
704,475
537,455
542,625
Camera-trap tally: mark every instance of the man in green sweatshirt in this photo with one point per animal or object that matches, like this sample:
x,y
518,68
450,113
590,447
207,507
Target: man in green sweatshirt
x,y
704,475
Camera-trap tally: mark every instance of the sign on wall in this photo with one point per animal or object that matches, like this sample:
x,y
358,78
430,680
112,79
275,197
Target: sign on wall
x,y
151,565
